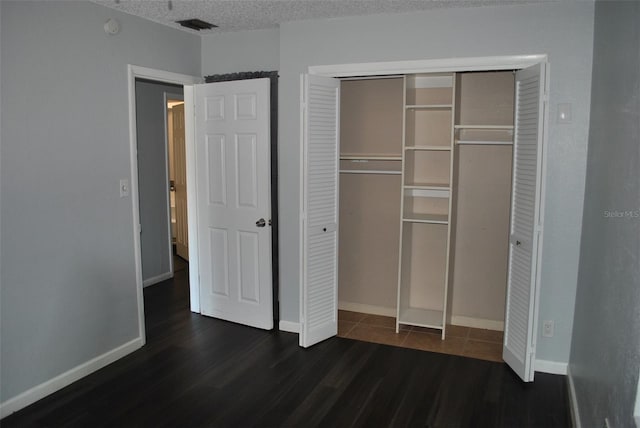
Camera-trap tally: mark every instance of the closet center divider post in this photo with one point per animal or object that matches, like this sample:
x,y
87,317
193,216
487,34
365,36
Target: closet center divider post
x,y
425,224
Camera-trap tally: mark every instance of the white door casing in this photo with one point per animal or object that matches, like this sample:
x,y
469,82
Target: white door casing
x,y
319,208
521,315
525,241
232,137
180,181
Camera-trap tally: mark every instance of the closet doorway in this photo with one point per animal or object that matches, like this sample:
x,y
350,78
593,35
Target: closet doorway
x,y
177,177
467,232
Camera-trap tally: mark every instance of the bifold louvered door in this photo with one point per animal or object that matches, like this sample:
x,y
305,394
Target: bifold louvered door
x,y
319,209
526,222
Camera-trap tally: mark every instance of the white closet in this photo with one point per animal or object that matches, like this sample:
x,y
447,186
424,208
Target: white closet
x,y
438,179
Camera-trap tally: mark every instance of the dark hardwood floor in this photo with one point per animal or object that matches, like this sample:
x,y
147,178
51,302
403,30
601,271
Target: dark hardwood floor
x,y
196,371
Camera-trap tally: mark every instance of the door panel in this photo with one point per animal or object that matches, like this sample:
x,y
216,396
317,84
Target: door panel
x,y
526,223
319,175
234,200
180,181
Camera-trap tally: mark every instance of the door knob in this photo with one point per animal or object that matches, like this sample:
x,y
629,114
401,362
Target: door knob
x,y
518,243
261,223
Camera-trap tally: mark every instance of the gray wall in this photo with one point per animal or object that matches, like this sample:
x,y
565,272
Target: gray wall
x,y
563,30
605,349
152,177
257,50
68,278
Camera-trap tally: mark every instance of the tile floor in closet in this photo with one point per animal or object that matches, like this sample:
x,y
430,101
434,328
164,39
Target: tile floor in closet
x,y
464,341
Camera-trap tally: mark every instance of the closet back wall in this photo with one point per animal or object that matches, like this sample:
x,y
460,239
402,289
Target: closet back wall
x,y
370,126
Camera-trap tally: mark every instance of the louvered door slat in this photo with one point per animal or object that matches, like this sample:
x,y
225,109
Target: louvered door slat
x,y
319,310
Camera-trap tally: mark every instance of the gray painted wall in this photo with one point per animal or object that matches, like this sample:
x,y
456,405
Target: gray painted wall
x,y
563,30
68,278
152,177
605,349
257,50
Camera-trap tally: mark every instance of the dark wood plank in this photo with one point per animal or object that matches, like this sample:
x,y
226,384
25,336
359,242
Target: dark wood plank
x,y
196,371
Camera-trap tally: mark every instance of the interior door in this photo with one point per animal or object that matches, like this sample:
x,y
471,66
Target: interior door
x,y
526,222
232,133
180,182
320,98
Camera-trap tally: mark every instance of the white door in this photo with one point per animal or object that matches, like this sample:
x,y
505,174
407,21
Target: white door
x,y
233,175
526,222
319,210
180,182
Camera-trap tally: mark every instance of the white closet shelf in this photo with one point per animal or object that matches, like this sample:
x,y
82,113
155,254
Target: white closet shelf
x,y
508,127
428,186
421,317
422,192
433,148
483,143
370,171
425,218
429,106
372,157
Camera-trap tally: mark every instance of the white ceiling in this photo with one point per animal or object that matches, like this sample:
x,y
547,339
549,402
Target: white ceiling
x,y
238,15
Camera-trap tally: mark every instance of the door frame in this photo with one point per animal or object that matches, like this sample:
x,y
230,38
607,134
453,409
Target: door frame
x,y
489,63
168,96
176,97
160,76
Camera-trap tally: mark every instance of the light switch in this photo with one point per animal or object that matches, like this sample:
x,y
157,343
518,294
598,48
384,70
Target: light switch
x,y
564,113
124,188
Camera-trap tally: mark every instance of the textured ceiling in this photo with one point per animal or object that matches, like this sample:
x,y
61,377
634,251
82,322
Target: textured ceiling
x,y
238,15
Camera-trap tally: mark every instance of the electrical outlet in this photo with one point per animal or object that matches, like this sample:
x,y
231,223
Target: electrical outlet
x,y
547,328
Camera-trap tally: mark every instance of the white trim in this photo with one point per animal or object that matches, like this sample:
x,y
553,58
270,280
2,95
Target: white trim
x,y
636,407
133,72
506,62
192,208
477,323
442,65
166,97
367,309
573,401
551,367
289,326
57,383
158,278
303,212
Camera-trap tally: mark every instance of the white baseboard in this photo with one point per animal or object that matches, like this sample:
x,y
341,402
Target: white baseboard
x,y
477,323
551,367
156,279
289,326
573,401
52,385
367,309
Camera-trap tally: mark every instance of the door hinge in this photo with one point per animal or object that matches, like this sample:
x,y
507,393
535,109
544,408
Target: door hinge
x,y
139,228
